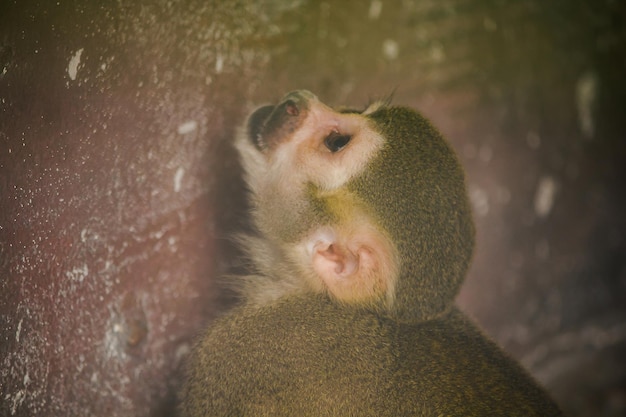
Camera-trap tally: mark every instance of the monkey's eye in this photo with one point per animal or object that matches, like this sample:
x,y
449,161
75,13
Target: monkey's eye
x,y
336,141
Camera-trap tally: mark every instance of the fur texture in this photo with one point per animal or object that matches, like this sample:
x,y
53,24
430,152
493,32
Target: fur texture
x,y
364,237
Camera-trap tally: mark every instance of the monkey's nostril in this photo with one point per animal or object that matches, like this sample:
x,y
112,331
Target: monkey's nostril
x,y
291,108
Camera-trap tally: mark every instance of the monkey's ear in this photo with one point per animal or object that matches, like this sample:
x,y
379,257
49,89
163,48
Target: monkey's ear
x,y
355,266
334,261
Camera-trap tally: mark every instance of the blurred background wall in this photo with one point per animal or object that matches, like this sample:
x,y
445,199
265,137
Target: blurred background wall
x,y
119,187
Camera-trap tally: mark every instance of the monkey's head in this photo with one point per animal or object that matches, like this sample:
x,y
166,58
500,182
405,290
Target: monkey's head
x,y
368,207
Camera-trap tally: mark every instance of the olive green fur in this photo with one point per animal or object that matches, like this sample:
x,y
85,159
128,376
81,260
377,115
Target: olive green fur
x,y
416,189
309,356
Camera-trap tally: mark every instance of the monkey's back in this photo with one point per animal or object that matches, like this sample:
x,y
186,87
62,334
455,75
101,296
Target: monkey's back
x,y
308,356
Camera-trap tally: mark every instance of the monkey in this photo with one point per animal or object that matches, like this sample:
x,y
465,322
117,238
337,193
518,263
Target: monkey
x,y
363,236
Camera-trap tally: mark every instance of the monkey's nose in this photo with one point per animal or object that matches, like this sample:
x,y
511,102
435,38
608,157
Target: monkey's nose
x,y
296,101
291,108
269,126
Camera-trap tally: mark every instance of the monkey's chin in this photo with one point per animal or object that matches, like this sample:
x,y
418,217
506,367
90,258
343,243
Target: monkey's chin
x,y
256,124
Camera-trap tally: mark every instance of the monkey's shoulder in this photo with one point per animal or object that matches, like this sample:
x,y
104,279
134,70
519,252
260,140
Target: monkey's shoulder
x,y
334,357
258,361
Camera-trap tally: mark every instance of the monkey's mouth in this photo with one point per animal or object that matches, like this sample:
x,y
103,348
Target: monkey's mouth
x,y
269,126
256,125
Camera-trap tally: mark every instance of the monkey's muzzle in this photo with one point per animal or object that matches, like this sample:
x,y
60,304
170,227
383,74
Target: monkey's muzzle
x,y
270,125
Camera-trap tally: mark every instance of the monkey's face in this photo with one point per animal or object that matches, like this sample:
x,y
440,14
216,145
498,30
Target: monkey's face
x,y
299,156
370,207
301,141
